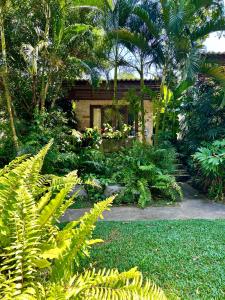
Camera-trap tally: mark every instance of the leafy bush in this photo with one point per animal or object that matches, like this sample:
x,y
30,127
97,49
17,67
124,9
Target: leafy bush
x,y
40,261
68,145
62,157
91,138
202,109
211,161
143,170
7,151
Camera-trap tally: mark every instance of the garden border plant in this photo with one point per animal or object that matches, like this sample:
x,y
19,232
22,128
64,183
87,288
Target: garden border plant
x,y
40,261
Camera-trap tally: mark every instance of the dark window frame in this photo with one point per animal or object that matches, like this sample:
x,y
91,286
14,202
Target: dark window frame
x,y
103,107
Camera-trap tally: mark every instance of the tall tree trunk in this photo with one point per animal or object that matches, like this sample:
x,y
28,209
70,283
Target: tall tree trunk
x,y
54,98
115,87
115,84
45,85
157,122
142,84
44,91
5,83
165,111
34,91
159,106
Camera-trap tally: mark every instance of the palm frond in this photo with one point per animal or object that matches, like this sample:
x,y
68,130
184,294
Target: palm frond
x,y
130,37
207,28
143,15
214,71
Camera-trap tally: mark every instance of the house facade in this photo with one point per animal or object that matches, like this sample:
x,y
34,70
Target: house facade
x,y
94,105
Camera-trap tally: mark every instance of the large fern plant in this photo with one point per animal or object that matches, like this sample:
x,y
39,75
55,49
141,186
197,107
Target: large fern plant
x,y
40,261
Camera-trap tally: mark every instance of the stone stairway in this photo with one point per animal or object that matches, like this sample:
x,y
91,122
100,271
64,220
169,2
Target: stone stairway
x,y
181,173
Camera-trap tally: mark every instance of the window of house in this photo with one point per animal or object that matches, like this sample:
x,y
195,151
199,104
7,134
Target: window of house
x,y
101,114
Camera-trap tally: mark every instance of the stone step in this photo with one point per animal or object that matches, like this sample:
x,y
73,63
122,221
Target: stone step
x,y
180,172
182,178
179,166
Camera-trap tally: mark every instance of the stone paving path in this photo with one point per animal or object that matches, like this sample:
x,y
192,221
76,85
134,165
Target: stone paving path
x,y
194,206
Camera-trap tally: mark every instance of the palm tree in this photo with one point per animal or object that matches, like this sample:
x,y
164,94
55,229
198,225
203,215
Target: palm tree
x,y
181,29
142,56
57,54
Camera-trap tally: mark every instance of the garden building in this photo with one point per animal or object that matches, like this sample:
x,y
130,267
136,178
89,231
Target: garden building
x,y
94,105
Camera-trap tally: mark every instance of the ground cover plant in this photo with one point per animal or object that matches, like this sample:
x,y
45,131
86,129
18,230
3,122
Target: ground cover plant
x,y
40,261
186,257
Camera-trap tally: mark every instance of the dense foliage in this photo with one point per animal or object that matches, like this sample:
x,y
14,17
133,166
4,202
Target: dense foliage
x,y
45,44
144,171
203,113
202,135
40,261
211,168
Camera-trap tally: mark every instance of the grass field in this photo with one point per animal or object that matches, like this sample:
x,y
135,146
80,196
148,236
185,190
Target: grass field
x,y
185,258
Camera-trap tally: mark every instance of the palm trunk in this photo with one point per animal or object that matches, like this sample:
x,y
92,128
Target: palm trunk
x,y
44,91
34,91
9,108
115,87
54,99
159,107
142,84
157,122
5,84
45,86
165,113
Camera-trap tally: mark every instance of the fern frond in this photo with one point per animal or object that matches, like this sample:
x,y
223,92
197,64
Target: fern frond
x,y
145,193
17,161
57,206
18,258
110,284
37,258
78,244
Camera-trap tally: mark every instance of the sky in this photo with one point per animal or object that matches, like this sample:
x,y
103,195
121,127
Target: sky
x,y
215,44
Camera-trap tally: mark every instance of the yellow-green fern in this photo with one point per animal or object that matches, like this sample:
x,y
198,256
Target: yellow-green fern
x,y
40,261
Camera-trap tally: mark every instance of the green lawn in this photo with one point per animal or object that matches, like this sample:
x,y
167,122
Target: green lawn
x,y
185,258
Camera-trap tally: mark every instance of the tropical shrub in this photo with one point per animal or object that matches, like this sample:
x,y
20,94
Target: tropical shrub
x,y
7,151
211,162
69,143
202,108
143,170
40,261
62,156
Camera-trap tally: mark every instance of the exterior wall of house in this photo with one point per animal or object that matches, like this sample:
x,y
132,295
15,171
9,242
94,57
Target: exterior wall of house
x,y
148,120
83,114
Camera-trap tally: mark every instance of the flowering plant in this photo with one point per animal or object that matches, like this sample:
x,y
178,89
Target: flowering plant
x,y
110,133
89,138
